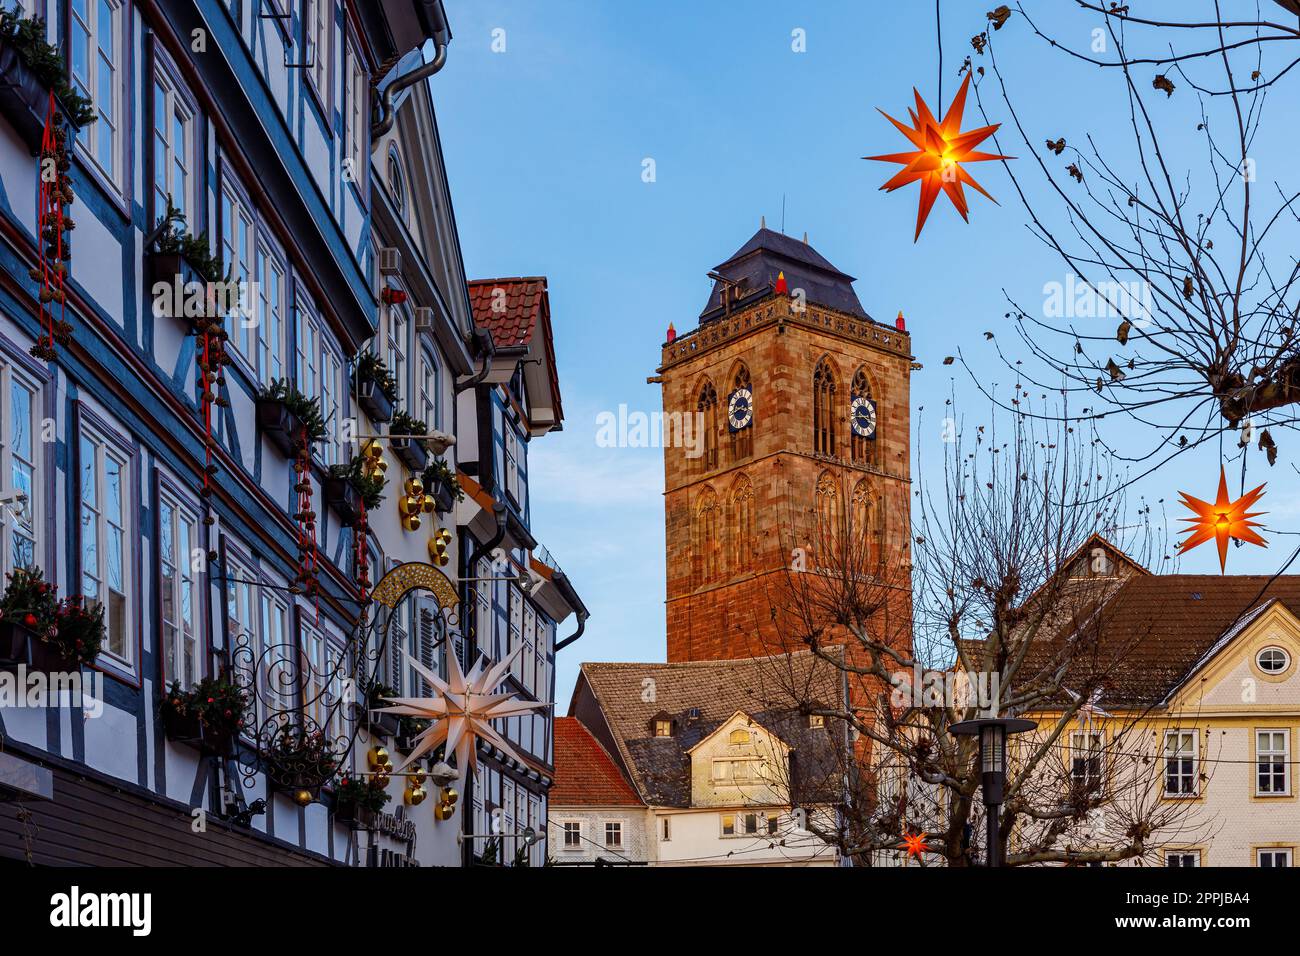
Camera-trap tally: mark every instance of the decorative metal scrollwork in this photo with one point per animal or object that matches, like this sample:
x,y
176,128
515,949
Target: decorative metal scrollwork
x,y
304,714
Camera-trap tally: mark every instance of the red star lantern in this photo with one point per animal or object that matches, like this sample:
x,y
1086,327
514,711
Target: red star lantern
x,y
1222,520
941,148
915,844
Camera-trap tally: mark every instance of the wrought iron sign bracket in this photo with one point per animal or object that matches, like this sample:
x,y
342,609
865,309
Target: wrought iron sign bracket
x,y
285,23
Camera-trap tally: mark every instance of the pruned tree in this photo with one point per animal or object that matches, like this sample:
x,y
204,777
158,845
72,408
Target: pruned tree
x,y
1184,256
1004,620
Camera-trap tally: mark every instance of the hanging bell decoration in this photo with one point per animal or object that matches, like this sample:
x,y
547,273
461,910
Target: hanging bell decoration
x,y
438,545
412,503
415,796
443,811
373,464
450,796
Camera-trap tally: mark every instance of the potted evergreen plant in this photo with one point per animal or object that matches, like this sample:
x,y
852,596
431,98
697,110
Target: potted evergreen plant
x,y
178,258
210,716
27,617
440,481
347,487
410,450
358,799
376,388
30,69
283,413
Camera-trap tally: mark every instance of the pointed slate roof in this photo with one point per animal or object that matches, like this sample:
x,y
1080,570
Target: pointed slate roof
x,y
757,263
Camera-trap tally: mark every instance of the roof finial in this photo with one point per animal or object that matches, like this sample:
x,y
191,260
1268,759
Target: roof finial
x,y
762,222
805,237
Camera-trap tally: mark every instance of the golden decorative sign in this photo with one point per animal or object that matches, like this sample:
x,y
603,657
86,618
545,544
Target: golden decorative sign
x,y
411,576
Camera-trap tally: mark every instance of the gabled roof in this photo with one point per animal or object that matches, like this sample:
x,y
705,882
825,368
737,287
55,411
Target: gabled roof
x,y
757,263
517,313
701,696
1161,628
585,774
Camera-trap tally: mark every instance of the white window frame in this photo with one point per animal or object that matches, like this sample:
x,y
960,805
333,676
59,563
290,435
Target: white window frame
x,y
429,384
179,634
1285,852
272,310
1178,754
181,120
13,462
356,116
110,108
396,347
238,253
1284,753
331,400
1286,660
614,828
1183,856
92,440
1081,749
318,26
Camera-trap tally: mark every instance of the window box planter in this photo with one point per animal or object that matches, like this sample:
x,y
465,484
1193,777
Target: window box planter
x,y
343,497
374,402
411,451
444,499
189,730
282,426
21,645
383,725
359,817
24,100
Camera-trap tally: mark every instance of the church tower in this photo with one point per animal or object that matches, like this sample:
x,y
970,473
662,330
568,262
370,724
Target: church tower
x,y
804,403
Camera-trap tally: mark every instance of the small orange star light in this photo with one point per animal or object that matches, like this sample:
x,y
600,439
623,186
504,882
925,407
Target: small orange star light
x,y
941,148
915,844
1222,520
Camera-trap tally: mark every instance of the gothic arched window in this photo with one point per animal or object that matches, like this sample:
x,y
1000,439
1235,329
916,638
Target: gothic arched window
x,y
824,409
742,441
863,450
707,405
742,542
830,514
864,520
704,543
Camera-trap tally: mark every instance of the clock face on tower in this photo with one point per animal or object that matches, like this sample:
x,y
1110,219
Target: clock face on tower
x,y
740,409
862,416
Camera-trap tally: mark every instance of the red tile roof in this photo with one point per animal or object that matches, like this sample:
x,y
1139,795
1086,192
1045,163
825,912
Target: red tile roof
x,y
585,774
508,308
513,311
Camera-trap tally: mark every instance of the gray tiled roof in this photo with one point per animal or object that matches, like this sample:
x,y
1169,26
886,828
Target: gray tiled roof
x,y
758,262
699,697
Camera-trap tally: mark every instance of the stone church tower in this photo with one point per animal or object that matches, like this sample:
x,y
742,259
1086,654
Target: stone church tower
x,y
805,409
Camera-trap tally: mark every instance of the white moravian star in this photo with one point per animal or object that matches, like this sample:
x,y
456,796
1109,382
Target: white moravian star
x,y
462,709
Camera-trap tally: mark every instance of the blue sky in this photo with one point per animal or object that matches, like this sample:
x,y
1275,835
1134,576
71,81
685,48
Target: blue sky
x,y
545,144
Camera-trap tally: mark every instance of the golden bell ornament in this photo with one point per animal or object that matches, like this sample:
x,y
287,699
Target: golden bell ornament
x,y
450,796
418,776
303,798
415,488
443,811
415,796
411,522
377,757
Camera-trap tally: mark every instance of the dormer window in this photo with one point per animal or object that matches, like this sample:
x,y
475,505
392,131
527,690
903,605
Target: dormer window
x,y
663,727
816,721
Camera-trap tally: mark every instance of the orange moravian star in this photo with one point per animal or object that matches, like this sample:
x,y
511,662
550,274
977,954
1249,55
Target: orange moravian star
x,y
941,148
1222,520
915,844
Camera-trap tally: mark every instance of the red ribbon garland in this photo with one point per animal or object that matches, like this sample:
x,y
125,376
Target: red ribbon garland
x,y
50,215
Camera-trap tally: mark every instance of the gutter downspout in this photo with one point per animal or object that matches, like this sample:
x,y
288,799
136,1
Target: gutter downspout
x,y
387,115
561,581
488,349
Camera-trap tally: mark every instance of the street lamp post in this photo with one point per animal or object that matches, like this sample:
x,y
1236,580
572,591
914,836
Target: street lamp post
x,y
992,733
